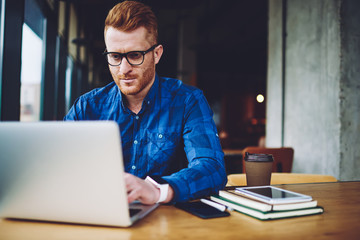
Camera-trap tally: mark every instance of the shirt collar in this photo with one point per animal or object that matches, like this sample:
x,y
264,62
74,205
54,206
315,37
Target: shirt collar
x,y
150,97
148,100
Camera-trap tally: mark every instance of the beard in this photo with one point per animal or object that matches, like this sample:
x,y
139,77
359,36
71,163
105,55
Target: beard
x,y
142,81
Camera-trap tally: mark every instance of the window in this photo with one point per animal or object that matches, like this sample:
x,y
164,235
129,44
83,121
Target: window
x,y
31,75
32,53
68,82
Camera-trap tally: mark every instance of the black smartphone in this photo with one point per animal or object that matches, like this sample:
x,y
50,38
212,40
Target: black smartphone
x,y
201,210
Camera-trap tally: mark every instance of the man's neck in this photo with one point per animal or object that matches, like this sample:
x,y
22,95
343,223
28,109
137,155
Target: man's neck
x,y
134,103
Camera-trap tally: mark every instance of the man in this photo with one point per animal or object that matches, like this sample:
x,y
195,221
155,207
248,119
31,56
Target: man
x,y
168,134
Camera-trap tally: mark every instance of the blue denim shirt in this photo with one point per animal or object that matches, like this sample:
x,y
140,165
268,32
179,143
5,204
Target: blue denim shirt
x,y
173,135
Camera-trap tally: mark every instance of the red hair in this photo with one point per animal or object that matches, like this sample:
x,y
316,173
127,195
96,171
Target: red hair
x,y
130,15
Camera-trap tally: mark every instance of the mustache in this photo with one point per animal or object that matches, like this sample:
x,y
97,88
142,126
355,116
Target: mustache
x,y
126,77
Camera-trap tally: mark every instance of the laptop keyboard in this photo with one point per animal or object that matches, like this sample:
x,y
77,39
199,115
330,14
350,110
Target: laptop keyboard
x,y
134,211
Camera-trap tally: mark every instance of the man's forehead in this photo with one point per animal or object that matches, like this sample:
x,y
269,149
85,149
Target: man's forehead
x,y
139,37
139,32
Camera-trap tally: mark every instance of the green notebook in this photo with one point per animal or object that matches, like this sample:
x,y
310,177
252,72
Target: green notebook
x,y
236,197
269,214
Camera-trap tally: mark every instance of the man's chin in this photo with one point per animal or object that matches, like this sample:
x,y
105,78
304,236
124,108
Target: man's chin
x,y
129,90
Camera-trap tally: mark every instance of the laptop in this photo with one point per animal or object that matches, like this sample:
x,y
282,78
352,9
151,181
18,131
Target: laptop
x,y
65,172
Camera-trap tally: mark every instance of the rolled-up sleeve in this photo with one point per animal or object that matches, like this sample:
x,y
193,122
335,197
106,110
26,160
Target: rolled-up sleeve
x,y
205,173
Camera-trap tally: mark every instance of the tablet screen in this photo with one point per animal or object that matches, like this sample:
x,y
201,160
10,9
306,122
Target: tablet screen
x,y
272,192
273,195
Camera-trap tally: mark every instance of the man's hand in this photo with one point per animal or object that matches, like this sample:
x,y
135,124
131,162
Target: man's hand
x,y
145,192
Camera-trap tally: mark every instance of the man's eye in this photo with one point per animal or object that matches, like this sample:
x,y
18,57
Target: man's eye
x,y
134,55
114,56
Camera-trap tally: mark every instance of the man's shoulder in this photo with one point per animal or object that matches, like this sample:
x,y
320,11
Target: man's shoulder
x,y
102,93
177,87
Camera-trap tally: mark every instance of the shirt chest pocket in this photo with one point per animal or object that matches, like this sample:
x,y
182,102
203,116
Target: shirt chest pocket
x,y
160,141
161,148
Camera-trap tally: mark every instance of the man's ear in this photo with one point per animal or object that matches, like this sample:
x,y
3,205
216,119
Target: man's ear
x,y
158,51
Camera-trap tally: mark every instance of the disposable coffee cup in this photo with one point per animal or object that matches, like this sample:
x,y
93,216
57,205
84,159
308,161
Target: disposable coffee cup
x,y
258,169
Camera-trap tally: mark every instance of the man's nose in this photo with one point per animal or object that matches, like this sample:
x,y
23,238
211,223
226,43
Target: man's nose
x,y
125,66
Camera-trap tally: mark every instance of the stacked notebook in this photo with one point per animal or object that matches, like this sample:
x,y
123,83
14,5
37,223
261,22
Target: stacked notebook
x,y
256,207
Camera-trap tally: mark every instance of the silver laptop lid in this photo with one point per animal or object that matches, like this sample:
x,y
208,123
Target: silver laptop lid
x,y
63,171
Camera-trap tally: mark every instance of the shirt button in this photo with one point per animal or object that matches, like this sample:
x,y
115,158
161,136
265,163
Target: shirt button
x,y
137,117
148,102
160,135
133,167
135,142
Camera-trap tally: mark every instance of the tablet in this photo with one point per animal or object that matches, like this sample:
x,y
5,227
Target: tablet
x,y
273,195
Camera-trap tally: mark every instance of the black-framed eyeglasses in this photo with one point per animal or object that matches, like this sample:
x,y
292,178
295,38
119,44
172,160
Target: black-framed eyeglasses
x,y
134,58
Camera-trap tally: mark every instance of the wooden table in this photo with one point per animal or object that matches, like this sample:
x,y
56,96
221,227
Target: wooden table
x,y
341,220
281,178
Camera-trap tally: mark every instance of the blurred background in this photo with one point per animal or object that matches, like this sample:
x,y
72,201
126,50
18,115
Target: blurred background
x,y
275,72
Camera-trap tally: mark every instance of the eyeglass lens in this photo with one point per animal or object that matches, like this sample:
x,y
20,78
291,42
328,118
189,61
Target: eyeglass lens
x,y
133,58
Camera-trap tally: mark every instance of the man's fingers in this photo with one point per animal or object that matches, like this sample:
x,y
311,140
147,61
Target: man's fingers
x,y
138,189
133,195
132,187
